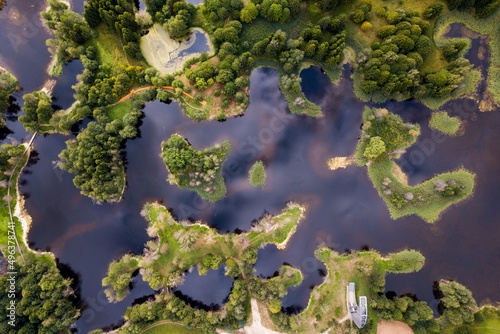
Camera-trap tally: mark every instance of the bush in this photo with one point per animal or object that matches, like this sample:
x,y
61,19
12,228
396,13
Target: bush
x,y
433,10
366,26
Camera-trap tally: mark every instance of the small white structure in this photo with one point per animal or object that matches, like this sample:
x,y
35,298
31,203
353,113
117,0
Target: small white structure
x,y
359,314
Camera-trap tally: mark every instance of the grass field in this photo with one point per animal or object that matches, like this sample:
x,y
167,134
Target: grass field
x,y
442,122
110,49
169,328
491,326
119,110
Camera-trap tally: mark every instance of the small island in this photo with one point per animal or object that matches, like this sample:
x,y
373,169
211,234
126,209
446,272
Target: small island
x,y
257,174
385,137
441,121
200,171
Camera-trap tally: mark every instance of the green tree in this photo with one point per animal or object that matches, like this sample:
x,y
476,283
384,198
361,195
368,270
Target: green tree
x,y
459,304
375,147
274,305
249,13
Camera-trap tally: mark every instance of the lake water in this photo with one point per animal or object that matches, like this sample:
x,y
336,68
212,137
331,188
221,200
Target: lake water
x,y
344,210
208,292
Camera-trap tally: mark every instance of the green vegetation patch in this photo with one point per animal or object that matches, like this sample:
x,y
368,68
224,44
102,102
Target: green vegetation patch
x,y
200,171
38,111
443,122
485,26
385,137
428,199
8,85
404,262
491,326
163,328
175,247
276,229
257,174
118,111
94,158
12,162
44,299
397,58
367,270
384,133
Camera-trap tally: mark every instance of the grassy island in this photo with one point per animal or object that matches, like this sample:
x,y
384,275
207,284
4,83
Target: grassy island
x,y
441,121
8,85
257,174
200,171
385,137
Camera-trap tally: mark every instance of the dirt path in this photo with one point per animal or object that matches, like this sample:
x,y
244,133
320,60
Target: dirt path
x,y
134,91
256,327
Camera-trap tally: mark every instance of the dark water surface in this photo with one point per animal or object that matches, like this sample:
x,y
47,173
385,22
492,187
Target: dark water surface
x,y
208,292
22,43
344,210
62,94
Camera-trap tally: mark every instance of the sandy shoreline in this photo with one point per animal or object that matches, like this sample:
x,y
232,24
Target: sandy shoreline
x,y
283,244
21,213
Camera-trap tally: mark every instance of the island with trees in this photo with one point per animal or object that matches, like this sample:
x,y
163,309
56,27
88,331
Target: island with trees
x,y
385,137
200,171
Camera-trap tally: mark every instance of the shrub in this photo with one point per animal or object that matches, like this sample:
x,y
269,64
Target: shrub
x,y
366,26
433,10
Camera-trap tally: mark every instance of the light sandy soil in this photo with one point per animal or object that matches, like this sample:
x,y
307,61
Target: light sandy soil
x,y
393,327
256,327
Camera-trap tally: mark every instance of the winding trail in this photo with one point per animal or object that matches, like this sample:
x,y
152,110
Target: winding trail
x,y
134,91
9,185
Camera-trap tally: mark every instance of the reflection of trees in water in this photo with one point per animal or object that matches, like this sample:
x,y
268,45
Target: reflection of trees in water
x,y
4,132
2,4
